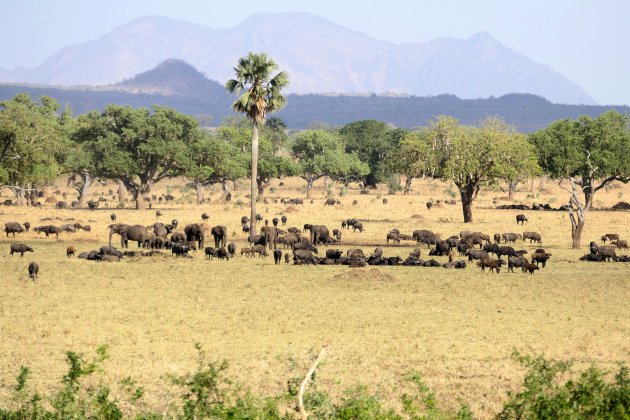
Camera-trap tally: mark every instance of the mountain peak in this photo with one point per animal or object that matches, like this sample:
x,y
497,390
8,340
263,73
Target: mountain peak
x,y
171,77
320,56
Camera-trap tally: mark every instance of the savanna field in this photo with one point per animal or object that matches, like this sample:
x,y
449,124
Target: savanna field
x,y
457,328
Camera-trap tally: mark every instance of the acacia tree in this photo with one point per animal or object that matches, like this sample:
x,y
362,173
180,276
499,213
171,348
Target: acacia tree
x,y
262,96
32,141
320,153
213,160
474,157
413,158
137,147
588,152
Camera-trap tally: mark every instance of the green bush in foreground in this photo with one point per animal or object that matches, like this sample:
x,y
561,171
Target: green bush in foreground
x,y
209,393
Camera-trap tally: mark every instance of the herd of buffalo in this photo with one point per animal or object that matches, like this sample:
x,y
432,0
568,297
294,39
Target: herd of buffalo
x,y
300,245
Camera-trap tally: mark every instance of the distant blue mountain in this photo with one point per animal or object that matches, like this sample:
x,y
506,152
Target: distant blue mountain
x,y
320,57
176,84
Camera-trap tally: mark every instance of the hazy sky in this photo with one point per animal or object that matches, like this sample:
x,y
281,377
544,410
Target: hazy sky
x,y
585,40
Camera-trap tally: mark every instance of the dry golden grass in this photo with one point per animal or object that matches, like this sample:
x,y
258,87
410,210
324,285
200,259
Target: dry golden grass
x,y
456,327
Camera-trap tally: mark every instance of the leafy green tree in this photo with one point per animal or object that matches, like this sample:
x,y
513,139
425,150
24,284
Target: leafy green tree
x,y
262,96
588,152
522,163
474,157
32,141
213,160
270,166
138,147
372,141
413,158
320,153
275,130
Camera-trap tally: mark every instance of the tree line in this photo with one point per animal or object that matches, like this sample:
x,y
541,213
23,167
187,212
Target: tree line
x,y
139,147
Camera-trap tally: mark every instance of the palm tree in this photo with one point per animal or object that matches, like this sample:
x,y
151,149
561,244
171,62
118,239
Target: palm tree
x,y
262,96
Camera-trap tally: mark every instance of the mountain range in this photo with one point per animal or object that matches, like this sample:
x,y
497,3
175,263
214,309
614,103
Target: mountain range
x,y
320,56
175,83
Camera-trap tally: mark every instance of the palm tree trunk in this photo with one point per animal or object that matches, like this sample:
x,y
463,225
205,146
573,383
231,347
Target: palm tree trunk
x,y
254,184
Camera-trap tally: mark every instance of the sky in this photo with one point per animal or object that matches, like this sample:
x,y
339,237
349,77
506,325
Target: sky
x,y
584,40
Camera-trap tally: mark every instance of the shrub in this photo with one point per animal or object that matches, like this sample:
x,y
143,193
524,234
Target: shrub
x,y
209,393
393,184
588,396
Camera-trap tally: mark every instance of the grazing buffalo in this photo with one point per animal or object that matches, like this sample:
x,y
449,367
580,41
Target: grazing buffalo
x,y
611,237
355,253
180,250
21,248
520,262
334,254
493,265
607,253
521,218
540,257
48,230
277,256
305,246
261,250
491,248
70,251
532,236
212,252
510,237
33,270
330,202
531,267
477,254
13,228
357,226
303,256
223,254
393,237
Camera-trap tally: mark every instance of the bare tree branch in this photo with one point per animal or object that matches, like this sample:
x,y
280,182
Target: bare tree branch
x,y
305,381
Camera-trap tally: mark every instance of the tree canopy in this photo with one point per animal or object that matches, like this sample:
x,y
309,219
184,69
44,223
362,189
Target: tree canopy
x,y
590,153
413,158
476,157
371,141
32,140
139,147
320,153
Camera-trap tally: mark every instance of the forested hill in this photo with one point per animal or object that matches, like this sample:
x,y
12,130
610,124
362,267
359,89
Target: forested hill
x,y
527,112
